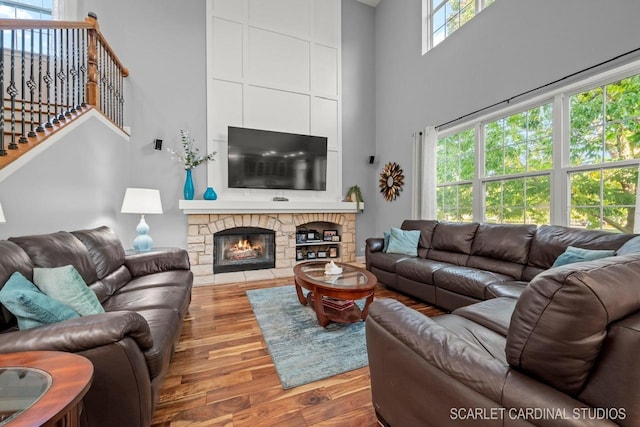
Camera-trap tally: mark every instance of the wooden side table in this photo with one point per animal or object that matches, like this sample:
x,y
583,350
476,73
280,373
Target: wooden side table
x,y
43,388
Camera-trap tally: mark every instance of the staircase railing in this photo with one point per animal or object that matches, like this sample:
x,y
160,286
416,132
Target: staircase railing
x,y
50,71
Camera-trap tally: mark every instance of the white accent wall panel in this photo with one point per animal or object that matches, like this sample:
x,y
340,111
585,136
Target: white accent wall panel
x,y
278,60
275,65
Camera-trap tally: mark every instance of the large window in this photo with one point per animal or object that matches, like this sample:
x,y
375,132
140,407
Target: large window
x,y
443,17
454,174
604,149
26,9
572,161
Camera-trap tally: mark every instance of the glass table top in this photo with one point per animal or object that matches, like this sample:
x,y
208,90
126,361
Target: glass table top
x,y
350,278
19,389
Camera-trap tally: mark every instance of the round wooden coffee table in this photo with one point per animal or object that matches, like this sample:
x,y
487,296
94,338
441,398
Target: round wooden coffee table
x,y
332,296
43,388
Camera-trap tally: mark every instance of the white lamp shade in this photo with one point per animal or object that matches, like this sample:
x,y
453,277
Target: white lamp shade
x,y
142,201
2,218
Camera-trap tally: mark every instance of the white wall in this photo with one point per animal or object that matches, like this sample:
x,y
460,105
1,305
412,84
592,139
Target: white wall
x,y
510,47
274,65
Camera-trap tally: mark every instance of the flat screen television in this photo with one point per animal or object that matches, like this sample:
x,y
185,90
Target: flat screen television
x,y
276,160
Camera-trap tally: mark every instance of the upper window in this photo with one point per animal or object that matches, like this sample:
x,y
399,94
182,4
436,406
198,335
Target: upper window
x,y
443,17
26,9
454,175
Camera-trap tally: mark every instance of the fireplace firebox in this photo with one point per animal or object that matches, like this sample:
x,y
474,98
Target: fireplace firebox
x,y
243,248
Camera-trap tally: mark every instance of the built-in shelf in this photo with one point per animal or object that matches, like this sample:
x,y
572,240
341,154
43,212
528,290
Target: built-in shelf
x,y
318,243
191,207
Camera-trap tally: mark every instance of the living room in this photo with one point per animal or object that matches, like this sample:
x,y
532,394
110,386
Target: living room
x,y
390,91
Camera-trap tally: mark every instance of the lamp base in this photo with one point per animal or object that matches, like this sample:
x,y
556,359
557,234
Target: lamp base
x,y
143,242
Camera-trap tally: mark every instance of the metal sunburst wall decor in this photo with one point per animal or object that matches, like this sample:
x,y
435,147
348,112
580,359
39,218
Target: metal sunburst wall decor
x,y
391,181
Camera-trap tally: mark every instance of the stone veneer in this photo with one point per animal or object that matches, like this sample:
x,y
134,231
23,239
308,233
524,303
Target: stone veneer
x,y
202,227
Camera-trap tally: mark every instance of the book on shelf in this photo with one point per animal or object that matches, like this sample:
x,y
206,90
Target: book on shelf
x,y
337,304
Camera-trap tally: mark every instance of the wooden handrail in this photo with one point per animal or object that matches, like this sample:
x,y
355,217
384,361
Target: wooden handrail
x,y
90,22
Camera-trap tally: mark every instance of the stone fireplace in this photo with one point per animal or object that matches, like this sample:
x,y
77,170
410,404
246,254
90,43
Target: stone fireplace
x,y
243,249
204,225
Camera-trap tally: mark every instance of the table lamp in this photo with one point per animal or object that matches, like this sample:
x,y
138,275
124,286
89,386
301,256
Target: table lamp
x,y
142,201
2,218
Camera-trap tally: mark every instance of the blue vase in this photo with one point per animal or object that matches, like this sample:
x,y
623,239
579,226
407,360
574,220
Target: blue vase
x,y
210,194
188,186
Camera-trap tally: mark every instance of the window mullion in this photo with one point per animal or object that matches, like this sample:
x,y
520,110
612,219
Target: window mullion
x,y
560,186
478,187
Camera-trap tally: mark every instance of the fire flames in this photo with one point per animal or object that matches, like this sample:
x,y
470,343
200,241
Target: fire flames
x,y
243,249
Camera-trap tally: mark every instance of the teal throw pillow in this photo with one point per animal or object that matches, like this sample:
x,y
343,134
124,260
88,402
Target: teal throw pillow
x,y
573,254
65,284
31,307
387,235
403,241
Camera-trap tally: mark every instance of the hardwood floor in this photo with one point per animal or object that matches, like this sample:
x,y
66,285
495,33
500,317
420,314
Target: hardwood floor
x,y
222,373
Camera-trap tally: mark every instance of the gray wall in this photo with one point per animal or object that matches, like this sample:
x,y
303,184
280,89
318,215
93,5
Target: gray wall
x,y
78,182
358,110
162,43
511,47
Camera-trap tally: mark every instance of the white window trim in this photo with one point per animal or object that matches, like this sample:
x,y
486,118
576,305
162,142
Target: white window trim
x,y
559,174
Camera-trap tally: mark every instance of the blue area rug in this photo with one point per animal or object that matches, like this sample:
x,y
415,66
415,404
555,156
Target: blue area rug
x,y
302,350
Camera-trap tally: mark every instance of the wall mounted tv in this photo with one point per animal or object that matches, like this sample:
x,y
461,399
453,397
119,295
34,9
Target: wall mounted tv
x,y
276,160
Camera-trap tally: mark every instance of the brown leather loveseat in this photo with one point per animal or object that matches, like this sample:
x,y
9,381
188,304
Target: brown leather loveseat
x,y
145,297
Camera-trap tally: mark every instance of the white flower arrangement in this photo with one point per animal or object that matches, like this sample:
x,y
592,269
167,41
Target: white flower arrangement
x,y
191,157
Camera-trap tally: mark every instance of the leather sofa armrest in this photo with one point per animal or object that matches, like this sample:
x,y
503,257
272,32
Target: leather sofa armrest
x,y
439,347
375,244
141,264
81,333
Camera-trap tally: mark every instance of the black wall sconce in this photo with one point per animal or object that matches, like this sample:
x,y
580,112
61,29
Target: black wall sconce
x,y
157,144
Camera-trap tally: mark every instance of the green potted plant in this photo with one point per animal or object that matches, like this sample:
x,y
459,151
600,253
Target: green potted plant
x,y
354,195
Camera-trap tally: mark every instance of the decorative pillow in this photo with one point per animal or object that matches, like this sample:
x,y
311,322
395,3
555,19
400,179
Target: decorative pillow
x,y
403,241
573,254
631,246
65,284
387,235
31,307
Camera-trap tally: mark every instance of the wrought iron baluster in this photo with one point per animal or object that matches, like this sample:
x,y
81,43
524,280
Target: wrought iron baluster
x,y
48,79
55,120
13,92
40,79
74,71
23,100
67,112
31,84
3,152
61,76
83,68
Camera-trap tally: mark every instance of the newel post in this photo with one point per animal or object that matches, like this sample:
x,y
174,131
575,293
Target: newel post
x,y
92,94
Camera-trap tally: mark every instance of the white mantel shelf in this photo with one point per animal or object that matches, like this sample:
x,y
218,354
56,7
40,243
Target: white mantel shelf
x,y
191,207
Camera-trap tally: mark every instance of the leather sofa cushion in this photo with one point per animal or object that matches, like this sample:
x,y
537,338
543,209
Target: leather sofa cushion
x,y
565,312
418,269
480,337
506,289
551,241
504,242
56,250
164,324
175,297
511,269
110,284
454,237
494,314
385,261
467,281
426,228
13,259
105,248
617,371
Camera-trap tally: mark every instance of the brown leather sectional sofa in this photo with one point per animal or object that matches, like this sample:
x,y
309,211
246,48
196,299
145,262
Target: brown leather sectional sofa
x,y
462,263
145,297
562,351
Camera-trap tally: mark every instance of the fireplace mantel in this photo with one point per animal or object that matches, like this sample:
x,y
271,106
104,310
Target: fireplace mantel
x,y
191,207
